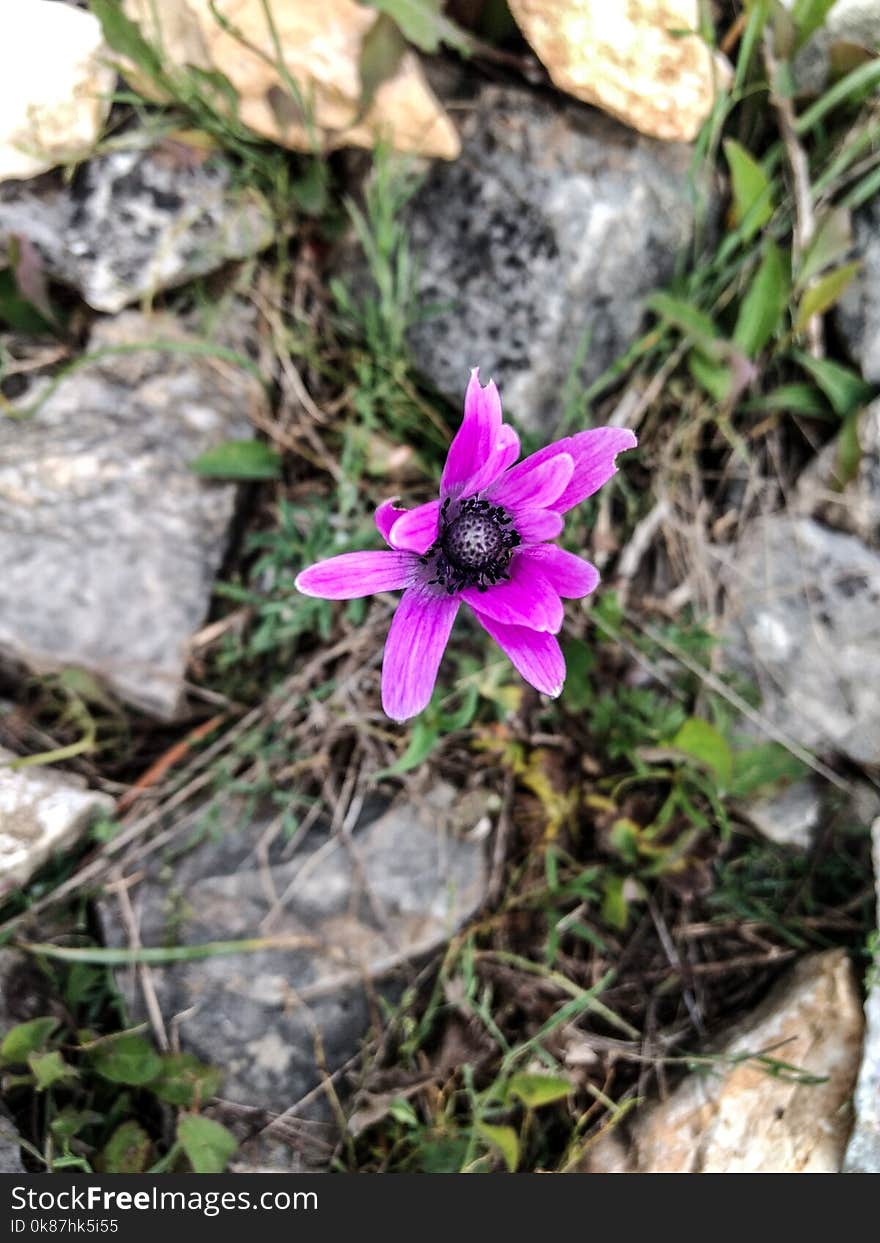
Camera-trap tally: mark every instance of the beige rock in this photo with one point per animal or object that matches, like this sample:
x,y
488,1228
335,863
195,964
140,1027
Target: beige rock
x,y
55,85
742,1119
624,57
41,811
321,45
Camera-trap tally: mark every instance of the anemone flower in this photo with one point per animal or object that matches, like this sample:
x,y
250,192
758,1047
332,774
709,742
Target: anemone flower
x,y
483,543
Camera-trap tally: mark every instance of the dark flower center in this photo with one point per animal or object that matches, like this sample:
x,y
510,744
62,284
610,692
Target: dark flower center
x,y
473,547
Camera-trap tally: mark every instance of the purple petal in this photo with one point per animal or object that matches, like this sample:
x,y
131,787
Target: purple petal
x,y
416,529
355,574
503,454
536,487
535,525
386,516
534,654
525,599
413,650
594,453
477,437
570,576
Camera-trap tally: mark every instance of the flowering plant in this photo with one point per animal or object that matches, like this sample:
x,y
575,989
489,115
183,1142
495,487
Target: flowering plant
x,y
483,543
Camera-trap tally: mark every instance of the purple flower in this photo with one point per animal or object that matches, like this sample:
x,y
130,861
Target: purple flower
x,y
484,544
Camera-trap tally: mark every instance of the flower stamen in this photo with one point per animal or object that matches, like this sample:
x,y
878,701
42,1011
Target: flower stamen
x,y
473,547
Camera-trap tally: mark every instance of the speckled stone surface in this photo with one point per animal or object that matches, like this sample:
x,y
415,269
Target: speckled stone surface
x,y
536,248
133,223
108,541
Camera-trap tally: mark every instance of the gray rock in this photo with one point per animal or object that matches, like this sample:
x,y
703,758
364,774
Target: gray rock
x,y
346,916
863,1152
10,1149
848,22
854,506
858,314
109,543
133,223
803,620
41,812
539,244
790,817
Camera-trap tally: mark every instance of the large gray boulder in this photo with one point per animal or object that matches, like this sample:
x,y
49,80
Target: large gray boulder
x,y
858,314
348,917
108,541
536,248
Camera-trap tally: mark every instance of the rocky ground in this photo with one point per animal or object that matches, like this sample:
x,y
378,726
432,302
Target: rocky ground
x,y
248,921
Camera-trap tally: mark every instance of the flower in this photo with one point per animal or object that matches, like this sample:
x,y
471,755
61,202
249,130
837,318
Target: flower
x,y
483,543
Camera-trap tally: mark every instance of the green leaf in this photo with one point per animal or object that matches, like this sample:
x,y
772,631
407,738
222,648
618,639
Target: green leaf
x,y
715,377
820,297
830,242
580,661
127,1059
27,1038
796,398
763,765
537,1090
844,388
808,16
124,36
207,1144
127,1151
615,909
186,1081
763,305
849,450
16,312
238,459
698,738
69,1121
423,23
423,739
49,1068
505,1139
688,319
752,193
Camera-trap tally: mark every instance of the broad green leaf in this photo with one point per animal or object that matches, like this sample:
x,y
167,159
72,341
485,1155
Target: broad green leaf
x,y
703,741
715,377
505,1139
124,36
844,388
127,1151
831,241
580,661
127,1059
752,193
207,1144
849,450
69,1121
422,741
537,1090
808,16
689,319
763,765
49,1068
763,306
238,459
424,24
186,1081
27,1038
820,297
615,909
796,398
